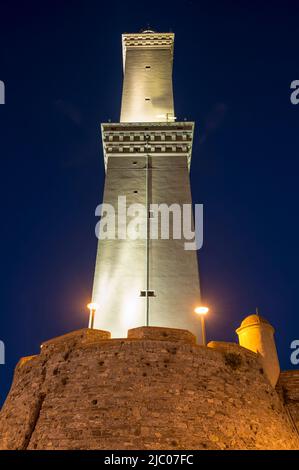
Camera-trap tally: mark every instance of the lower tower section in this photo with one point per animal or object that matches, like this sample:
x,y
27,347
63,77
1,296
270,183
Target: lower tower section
x,y
146,278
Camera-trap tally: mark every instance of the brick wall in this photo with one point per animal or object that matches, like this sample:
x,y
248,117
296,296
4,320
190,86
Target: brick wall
x,y
288,388
154,390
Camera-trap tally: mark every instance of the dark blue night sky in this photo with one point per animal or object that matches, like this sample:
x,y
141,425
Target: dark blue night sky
x,y
62,66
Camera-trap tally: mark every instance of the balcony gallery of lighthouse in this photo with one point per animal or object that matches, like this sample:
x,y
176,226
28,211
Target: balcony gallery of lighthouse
x,y
146,282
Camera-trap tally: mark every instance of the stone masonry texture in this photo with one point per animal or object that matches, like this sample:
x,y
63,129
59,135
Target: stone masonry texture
x,y
156,389
288,387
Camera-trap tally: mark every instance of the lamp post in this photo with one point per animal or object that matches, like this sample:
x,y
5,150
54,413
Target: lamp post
x,y
202,311
92,309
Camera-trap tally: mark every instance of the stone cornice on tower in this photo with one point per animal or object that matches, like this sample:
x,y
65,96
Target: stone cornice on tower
x,y
165,139
146,39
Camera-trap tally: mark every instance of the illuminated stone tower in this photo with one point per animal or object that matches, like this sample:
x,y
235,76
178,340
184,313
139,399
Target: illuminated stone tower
x,y
146,282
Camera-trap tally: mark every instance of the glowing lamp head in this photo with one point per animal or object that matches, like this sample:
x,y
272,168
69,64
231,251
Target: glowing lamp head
x,y
92,306
201,310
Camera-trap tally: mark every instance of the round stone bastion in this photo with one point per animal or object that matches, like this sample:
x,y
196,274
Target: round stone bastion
x,y
155,389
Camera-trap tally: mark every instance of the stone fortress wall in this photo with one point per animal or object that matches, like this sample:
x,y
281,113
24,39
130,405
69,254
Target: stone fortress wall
x,y
156,389
288,388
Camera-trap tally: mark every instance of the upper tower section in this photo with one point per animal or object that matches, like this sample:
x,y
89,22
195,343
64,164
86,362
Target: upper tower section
x,y
147,88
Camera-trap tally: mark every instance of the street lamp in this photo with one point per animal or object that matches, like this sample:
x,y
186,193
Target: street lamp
x,y
202,311
92,309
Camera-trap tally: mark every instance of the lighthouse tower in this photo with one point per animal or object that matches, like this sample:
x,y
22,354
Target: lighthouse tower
x,y
151,281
